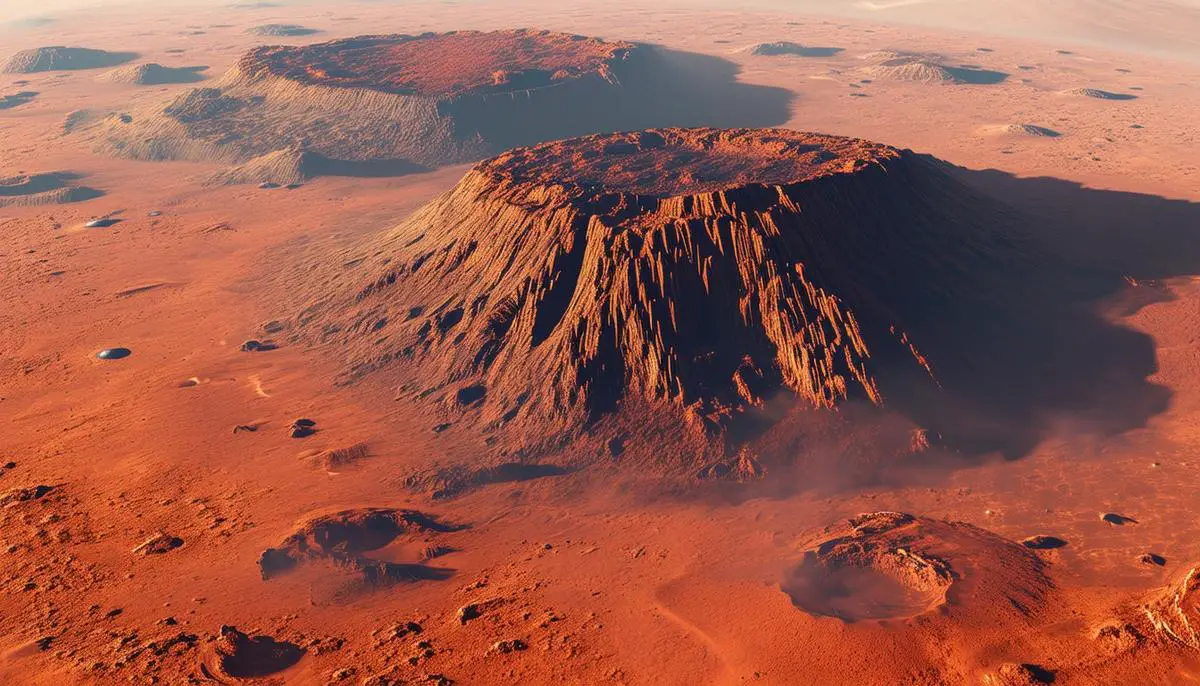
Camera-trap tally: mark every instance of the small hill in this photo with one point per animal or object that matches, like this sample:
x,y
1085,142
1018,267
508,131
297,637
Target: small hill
x,y
48,188
59,58
1029,130
1098,94
281,30
926,68
789,48
152,74
296,165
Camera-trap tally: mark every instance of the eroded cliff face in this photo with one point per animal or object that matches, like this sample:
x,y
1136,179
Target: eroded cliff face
x,y
622,267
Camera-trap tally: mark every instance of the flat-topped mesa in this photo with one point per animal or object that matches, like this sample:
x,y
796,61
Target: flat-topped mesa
x,y
445,65
427,100
695,269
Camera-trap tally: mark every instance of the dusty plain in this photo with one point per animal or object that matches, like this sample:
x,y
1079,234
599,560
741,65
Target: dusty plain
x,y
606,573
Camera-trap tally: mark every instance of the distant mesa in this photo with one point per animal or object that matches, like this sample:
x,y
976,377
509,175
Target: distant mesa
x,y
405,102
16,99
694,273
281,30
926,68
49,188
1099,94
152,74
789,48
59,58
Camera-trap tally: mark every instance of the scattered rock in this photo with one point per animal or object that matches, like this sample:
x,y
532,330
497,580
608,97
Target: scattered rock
x,y
102,223
245,427
1043,542
509,646
20,495
472,611
256,346
302,428
1152,559
1117,520
159,543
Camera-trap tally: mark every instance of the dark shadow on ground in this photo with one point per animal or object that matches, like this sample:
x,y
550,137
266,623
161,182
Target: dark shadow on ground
x,y
660,88
1037,355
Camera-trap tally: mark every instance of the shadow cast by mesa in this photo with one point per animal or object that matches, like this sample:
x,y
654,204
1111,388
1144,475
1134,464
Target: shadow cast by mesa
x,y
1038,351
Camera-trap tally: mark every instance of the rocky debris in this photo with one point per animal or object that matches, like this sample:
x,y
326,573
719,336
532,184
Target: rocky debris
x,y
1043,542
1119,636
274,326
509,646
114,353
239,656
439,428
471,611
345,537
1117,519
1012,674
922,440
245,427
1152,559
158,544
21,495
58,57
102,223
1175,616
257,346
302,428
743,468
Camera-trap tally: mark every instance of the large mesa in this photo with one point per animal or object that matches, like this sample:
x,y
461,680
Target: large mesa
x,y
693,272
